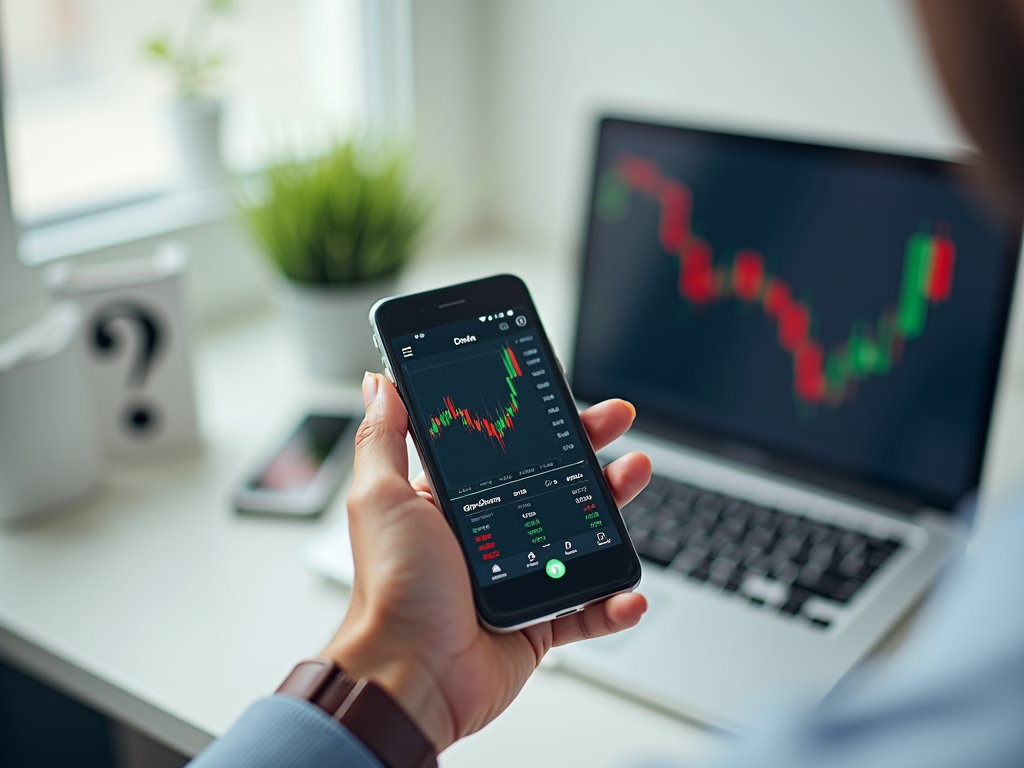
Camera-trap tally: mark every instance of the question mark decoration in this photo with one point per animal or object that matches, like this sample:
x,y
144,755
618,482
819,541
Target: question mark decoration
x,y
139,419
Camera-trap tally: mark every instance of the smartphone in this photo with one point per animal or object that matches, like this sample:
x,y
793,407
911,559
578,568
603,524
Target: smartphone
x,y
302,475
504,450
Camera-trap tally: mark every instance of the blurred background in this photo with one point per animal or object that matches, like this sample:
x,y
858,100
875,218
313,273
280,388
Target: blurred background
x,y
495,105
500,99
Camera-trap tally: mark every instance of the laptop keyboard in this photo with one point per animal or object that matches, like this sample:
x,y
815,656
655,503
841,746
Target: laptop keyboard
x,y
799,567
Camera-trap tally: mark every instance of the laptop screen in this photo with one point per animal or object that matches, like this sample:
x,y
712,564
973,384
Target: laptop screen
x,y
834,314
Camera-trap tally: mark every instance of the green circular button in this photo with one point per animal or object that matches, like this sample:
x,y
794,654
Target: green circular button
x,y
555,569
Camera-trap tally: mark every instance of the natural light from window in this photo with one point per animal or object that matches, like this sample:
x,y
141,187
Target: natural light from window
x,y
89,115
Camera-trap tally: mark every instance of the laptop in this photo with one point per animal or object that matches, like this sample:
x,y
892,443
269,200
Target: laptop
x,y
811,336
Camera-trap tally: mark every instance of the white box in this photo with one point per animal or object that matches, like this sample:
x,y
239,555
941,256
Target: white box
x,y
135,338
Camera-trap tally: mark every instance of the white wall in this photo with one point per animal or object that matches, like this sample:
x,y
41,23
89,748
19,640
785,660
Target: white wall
x,y
847,70
507,92
449,66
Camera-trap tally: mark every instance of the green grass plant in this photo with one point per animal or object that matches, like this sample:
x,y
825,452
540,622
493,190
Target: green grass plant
x,y
345,218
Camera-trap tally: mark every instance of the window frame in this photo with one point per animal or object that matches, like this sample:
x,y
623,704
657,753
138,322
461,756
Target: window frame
x,y
21,290
27,246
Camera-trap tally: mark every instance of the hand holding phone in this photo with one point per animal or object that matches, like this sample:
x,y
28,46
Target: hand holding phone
x,y
504,450
411,624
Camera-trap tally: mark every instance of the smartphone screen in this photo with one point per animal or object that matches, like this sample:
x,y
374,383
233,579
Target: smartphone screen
x,y
502,440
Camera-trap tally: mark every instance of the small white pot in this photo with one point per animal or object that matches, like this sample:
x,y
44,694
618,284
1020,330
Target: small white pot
x,y
195,126
333,326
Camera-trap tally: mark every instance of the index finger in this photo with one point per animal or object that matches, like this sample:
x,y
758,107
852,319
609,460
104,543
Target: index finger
x,y
607,421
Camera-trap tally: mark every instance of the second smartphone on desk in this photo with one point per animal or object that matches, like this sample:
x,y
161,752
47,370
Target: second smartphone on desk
x,y
505,451
302,475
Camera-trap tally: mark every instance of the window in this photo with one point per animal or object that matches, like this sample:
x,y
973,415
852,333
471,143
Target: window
x,y
87,115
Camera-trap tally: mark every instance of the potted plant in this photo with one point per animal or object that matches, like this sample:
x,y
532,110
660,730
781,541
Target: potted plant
x,y
195,115
339,229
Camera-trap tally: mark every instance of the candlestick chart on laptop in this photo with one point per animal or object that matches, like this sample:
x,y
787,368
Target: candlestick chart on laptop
x,y
805,302
822,373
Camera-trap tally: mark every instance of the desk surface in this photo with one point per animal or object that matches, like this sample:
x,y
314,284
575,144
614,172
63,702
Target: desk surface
x,y
159,605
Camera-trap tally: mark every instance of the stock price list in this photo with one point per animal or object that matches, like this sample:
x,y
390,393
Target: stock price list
x,y
520,527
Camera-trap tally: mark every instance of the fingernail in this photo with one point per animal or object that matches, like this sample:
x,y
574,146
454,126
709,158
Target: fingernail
x,y
369,388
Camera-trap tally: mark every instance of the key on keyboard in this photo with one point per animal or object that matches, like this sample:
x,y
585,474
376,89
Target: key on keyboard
x,y
766,556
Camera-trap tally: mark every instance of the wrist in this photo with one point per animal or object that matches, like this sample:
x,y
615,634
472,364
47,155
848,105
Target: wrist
x,y
365,709
407,681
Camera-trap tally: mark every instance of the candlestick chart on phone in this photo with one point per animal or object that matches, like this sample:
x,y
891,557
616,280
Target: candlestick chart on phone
x,y
824,373
491,425
484,413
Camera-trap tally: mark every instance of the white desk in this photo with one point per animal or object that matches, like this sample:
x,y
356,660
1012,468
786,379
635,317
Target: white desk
x,y
160,606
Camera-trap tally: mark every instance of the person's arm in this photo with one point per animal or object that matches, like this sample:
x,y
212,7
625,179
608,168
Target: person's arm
x,y
411,626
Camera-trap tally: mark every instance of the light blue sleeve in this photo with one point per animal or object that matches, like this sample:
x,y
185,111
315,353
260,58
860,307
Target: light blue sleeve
x,y
953,696
285,732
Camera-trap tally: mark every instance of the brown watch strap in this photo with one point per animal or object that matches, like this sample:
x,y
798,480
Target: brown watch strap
x,y
365,709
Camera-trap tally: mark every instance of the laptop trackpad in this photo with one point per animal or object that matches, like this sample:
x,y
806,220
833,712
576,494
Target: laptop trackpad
x,y
658,599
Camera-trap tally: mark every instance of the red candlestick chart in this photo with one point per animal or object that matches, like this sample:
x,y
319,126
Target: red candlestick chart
x,y
491,426
871,349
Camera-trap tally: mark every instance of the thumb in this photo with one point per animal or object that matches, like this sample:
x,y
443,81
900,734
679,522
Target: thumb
x,y
381,473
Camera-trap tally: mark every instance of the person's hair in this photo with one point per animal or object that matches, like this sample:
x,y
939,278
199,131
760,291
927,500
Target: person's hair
x,y
979,51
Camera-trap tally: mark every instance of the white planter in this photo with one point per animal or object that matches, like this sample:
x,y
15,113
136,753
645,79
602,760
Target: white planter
x,y
195,127
333,326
